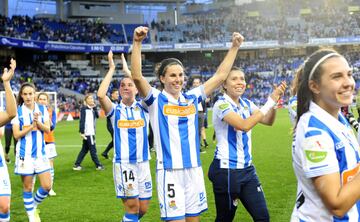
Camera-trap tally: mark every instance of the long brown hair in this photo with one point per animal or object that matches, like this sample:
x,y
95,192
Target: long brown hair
x,y
296,81
20,100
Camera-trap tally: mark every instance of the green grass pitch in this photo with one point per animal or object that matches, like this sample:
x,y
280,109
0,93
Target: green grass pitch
x,y
89,195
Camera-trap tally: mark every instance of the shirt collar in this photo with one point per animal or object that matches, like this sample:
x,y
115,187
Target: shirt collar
x,y
133,105
230,100
325,116
172,99
34,110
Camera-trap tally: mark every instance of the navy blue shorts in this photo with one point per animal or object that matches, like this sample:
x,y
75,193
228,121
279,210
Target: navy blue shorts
x,y
232,186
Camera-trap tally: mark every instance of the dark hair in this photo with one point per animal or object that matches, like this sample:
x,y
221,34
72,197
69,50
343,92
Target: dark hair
x,y
304,94
192,81
234,68
126,77
114,90
164,65
20,100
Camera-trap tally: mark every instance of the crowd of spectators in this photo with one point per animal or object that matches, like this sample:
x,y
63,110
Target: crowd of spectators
x,y
283,22
44,29
261,74
217,25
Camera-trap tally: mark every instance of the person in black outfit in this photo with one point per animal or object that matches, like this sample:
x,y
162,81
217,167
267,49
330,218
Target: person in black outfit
x,y
114,97
8,137
88,116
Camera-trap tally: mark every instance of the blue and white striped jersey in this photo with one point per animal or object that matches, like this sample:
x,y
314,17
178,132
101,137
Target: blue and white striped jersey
x,y
33,143
292,107
130,126
323,145
233,147
175,126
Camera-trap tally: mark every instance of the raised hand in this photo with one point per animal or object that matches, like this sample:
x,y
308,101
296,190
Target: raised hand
x,y
237,39
36,117
278,91
125,68
8,74
140,33
111,60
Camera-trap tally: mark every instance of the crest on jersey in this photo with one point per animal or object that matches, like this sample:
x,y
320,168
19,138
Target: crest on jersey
x,y
130,186
172,205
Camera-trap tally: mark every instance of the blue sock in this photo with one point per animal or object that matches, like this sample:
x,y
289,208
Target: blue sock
x,y
29,203
130,218
5,217
40,195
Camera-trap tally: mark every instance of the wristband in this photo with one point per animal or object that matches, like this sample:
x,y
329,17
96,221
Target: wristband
x,y
270,103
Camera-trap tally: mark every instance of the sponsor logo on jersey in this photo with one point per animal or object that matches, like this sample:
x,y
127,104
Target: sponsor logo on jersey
x,y
224,106
348,175
130,123
182,111
315,156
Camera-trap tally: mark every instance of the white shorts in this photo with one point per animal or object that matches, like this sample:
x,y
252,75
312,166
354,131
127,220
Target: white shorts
x,y
133,180
181,193
50,150
30,166
5,187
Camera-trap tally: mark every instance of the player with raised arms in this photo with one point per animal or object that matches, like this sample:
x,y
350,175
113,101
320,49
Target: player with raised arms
x,y
130,121
232,172
325,152
174,119
5,117
29,126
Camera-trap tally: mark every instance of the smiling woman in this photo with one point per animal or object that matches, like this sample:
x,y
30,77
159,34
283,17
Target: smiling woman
x,y
174,118
325,150
232,172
